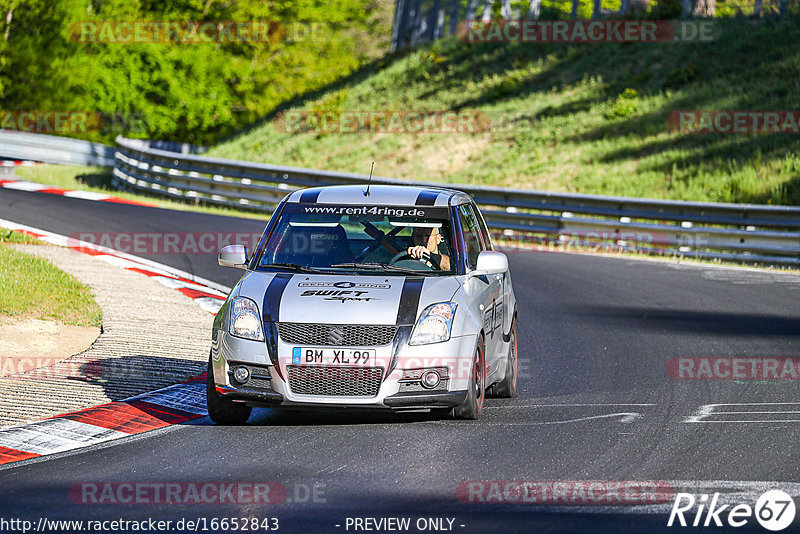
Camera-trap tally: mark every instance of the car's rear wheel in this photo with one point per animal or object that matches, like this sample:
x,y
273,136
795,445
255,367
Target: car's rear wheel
x,y
476,395
221,410
507,387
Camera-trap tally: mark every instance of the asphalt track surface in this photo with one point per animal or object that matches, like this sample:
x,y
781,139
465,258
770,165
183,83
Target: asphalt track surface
x,y
595,403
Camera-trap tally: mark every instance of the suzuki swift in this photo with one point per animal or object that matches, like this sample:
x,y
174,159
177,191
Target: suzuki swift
x,y
387,297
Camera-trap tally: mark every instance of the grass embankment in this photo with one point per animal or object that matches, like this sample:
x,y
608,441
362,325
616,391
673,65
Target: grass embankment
x,y
589,118
34,288
98,180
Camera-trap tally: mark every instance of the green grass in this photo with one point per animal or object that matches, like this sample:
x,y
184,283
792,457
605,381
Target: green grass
x,y
589,118
34,287
10,236
98,180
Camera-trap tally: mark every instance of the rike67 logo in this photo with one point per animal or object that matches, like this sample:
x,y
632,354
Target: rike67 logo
x,y
774,510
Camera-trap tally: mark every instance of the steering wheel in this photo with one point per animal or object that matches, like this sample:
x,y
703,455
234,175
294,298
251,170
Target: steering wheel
x,y
426,257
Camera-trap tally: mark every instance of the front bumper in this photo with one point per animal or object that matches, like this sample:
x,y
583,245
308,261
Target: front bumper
x,y
399,401
397,389
449,399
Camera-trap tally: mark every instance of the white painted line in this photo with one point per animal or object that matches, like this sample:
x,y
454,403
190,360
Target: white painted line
x,y
624,417
209,304
86,195
738,421
119,262
704,413
55,435
25,186
176,284
583,405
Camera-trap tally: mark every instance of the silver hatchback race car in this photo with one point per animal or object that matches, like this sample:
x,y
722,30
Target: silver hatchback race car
x,y
390,297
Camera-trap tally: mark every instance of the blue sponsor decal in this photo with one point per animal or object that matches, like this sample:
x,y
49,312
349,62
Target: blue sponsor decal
x,y
296,355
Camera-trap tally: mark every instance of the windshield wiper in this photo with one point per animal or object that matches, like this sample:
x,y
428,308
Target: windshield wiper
x,y
292,266
356,265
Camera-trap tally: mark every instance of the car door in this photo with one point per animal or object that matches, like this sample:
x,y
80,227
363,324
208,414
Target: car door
x,y
504,307
486,289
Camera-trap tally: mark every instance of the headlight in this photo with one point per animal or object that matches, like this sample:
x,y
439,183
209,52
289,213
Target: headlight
x,y
245,321
434,325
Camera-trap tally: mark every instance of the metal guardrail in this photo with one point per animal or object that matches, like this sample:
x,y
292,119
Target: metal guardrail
x,y
170,146
54,149
738,232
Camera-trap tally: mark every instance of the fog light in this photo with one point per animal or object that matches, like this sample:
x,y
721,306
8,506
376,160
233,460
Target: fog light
x,y
430,379
241,374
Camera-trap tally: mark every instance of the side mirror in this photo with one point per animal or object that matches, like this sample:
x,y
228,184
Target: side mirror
x,y
233,256
490,262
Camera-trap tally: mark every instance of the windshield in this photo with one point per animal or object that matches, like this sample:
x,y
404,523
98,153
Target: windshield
x,y
330,238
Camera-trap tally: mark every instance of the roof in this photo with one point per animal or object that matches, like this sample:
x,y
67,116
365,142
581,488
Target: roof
x,y
380,195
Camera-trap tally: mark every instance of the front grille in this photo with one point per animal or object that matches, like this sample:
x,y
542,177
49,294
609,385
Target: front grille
x,y
336,335
335,381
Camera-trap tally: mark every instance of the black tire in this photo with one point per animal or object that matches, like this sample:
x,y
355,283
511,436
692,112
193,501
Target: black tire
x,y
476,396
221,410
507,388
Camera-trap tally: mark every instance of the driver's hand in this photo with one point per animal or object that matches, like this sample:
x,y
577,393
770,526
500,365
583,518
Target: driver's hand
x,y
417,252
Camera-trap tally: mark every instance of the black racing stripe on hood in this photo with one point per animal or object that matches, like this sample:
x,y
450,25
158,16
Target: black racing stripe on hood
x,y
427,197
271,306
309,197
409,300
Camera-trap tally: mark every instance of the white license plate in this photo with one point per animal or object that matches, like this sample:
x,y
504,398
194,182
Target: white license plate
x,y
332,356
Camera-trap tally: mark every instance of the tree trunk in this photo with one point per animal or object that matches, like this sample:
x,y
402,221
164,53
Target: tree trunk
x,y
534,9
486,17
397,26
686,8
472,8
705,8
455,7
9,18
417,23
636,6
437,34
432,22
574,14
505,11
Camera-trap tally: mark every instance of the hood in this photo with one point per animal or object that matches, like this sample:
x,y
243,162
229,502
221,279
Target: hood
x,y
345,299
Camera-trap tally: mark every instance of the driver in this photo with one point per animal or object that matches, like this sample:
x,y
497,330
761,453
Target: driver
x,y
426,241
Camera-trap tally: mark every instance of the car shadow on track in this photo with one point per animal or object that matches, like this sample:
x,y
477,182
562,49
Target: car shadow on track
x,y
292,417
128,376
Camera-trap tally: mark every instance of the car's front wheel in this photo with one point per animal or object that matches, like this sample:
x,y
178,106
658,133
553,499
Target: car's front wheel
x,y
471,409
221,410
